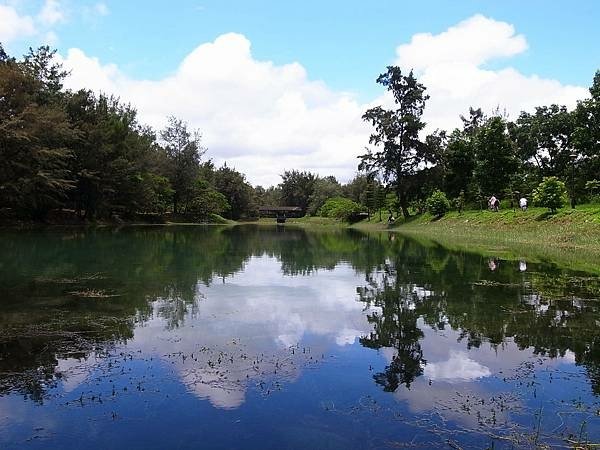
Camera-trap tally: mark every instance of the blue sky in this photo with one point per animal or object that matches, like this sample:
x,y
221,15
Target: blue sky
x,y
344,44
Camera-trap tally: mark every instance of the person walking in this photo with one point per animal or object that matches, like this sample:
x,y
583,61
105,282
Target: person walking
x,y
523,203
494,203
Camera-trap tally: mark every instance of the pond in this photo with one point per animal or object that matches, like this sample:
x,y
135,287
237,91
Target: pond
x,y
264,337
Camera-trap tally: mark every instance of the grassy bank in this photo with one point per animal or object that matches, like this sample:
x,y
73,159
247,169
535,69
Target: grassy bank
x,y
569,236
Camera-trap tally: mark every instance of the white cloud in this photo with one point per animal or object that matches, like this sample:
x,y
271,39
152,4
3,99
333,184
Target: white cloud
x,y
51,13
450,64
14,26
264,118
473,41
260,117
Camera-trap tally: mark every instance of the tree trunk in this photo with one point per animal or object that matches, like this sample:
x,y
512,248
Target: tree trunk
x,y
402,201
405,212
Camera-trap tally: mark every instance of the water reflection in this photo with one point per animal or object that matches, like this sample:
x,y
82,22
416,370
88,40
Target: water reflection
x,y
235,314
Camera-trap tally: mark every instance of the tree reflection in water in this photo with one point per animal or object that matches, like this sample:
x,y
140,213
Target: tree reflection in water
x,y
156,272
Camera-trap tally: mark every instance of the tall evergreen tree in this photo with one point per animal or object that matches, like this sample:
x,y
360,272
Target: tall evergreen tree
x,y
34,139
183,150
399,153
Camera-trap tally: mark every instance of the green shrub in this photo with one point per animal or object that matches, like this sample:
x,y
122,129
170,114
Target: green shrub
x,y
551,193
438,204
340,208
593,187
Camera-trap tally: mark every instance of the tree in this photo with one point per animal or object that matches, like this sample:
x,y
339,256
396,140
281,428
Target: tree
x,y
35,136
155,194
340,208
459,163
323,189
183,150
586,137
495,156
41,65
472,123
267,197
551,193
375,198
399,153
438,204
296,188
236,190
113,153
206,201
546,139
356,189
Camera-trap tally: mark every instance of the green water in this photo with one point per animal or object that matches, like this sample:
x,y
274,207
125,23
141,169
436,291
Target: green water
x,y
267,337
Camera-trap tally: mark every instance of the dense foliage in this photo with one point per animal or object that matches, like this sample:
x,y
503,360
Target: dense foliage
x,y
340,208
87,154
88,157
488,156
438,204
551,193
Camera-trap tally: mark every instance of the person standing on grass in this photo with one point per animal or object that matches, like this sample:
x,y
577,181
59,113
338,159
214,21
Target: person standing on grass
x,y
494,203
523,203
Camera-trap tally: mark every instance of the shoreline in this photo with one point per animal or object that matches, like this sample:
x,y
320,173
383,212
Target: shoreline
x,y
570,237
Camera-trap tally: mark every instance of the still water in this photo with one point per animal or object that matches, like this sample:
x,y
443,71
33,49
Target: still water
x,y
280,338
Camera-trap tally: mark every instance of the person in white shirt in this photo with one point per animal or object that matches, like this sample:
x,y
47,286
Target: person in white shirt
x,y
523,203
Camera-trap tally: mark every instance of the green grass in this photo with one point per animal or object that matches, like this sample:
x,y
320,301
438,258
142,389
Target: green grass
x,y
571,237
304,221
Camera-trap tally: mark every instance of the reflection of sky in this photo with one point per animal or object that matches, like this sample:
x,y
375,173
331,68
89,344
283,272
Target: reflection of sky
x,y
260,313
458,367
255,312
259,329
453,373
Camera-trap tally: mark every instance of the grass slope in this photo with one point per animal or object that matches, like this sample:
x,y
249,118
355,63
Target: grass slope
x,y
570,236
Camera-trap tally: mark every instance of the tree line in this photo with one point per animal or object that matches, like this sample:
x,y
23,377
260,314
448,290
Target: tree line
x,y
77,155
488,156
87,154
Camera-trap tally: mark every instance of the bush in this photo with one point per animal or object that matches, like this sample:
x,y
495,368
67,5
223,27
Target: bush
x,y
438,204
593,187
340,208
551,193
206,201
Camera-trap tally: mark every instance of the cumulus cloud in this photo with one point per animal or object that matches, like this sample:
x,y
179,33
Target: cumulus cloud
x,y
51,13
14,26
450,65
264,118
260,117
473,41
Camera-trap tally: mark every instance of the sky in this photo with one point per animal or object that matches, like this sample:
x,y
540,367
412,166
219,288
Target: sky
x,y
280,85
